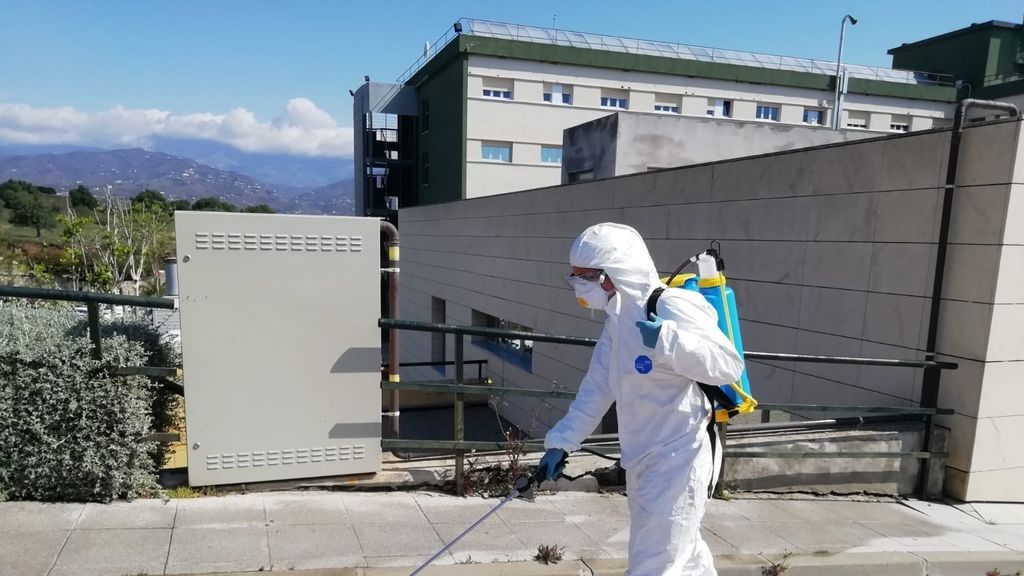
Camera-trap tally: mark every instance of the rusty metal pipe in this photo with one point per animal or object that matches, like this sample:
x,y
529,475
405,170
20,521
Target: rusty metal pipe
x,y
394,405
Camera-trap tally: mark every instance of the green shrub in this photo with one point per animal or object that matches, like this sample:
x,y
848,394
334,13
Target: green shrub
x,y
69,430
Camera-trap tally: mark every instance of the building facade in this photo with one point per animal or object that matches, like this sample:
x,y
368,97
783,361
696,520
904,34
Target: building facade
x,y
493,99
831,250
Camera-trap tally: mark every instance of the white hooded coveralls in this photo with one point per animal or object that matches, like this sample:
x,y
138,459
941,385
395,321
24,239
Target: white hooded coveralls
x,y
662,413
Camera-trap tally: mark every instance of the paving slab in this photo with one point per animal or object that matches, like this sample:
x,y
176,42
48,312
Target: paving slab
x,y
391,539
603,505
125,515
817,536
761,511
973,563
716,544
114,552
29,552
995,513
453,509
540,510
612,537
577,543
221,512
375,508
296,510
490,542
835,510
751,537
220,549
305,547
942,513
39,516
1005,536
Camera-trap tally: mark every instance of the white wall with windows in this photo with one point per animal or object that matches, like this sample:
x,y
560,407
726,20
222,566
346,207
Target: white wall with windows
x,y
528,104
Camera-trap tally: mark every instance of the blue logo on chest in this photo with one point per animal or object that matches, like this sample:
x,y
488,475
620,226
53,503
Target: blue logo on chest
x,y
643,364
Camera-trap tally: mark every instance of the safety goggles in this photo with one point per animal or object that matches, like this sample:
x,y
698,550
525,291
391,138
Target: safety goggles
x,y
589,276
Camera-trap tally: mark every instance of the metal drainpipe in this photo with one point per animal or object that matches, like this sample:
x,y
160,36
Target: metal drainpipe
x,y
947,212
392,371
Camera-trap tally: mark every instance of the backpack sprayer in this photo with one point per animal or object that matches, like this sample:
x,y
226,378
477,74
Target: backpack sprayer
x,y
709,282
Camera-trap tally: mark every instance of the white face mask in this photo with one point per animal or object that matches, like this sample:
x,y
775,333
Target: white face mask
x,y
589,293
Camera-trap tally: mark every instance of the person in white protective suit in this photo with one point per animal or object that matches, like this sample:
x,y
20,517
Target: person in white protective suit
x,y
649,367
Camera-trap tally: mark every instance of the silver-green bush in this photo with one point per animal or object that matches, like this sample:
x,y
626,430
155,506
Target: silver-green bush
x,y
69,430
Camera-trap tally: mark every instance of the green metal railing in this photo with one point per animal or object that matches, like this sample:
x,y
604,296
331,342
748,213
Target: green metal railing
x,y
92,300
924,412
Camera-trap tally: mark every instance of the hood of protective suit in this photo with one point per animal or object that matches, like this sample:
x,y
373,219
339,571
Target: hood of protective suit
x,y
620,251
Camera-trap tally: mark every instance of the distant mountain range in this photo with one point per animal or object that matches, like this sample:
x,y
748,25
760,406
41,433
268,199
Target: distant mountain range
x,y
130,171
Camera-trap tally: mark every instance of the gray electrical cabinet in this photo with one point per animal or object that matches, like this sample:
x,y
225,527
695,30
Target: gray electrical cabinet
x,y
280,345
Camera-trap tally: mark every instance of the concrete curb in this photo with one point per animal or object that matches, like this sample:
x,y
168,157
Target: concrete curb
x,y
838,564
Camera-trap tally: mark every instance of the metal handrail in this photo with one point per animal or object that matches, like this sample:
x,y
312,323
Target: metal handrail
x,y
458,387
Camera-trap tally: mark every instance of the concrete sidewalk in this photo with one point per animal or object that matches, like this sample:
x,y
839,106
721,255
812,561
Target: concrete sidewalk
x,y
352,533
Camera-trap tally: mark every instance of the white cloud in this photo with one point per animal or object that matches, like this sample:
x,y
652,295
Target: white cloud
x,y
302,129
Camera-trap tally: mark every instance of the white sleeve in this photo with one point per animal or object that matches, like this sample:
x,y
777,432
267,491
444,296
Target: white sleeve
x,y
691,339
591,403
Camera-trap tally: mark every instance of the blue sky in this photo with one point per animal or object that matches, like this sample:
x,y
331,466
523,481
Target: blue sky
x,y
195,57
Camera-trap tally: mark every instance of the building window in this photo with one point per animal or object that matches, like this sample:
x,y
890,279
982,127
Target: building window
x,y
551,154
613,102
425,168
518,351
719,108
899,124
816,117
855,119
558,93
438,351
500,94
425,115
499,151
767,112
666,108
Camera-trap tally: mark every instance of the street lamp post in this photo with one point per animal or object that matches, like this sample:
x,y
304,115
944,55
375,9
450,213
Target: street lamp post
x,y
837,109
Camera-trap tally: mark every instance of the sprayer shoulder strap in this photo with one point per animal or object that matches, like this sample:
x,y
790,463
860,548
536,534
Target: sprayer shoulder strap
x,y
714,393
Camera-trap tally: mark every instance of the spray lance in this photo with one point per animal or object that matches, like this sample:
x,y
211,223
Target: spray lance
x,y
523,488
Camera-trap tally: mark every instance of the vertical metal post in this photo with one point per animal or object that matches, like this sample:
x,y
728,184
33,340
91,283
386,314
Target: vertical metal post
x,y
929,399
459,413
94,329
766,416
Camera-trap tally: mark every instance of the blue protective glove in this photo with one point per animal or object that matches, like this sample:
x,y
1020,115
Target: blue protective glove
x,y
551,464
649,331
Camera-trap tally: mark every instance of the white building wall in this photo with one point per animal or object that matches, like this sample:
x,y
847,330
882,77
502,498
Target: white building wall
x,y
830,251
528,119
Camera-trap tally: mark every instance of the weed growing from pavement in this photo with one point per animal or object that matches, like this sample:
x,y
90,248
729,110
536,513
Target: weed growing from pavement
x,y
777,569
184,492
996,572
549,553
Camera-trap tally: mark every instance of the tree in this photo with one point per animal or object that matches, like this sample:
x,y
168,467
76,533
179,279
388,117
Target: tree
x,y
47,190
181,205
82,197
259,209
152,198
29,209
9,191
122,244
213,205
